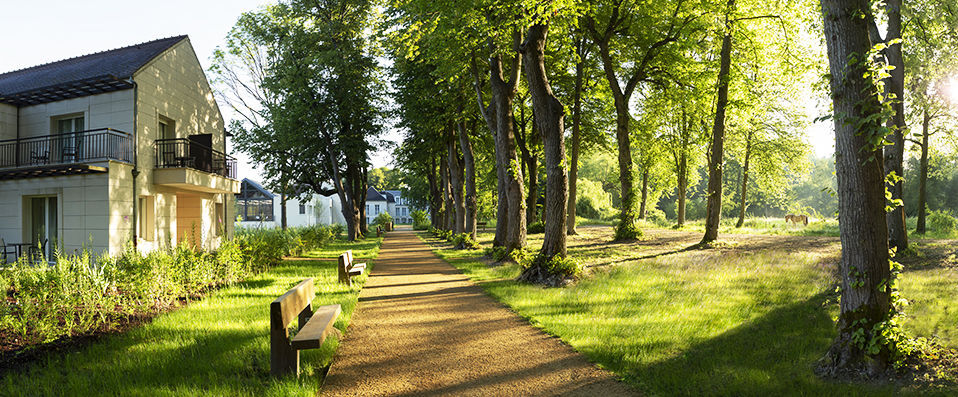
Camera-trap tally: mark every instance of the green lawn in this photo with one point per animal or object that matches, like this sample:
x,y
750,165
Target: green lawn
x,y
713,322
216,346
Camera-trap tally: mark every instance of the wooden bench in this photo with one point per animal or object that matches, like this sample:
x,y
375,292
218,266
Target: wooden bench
x,y
313,327
481,225
348,269
379,231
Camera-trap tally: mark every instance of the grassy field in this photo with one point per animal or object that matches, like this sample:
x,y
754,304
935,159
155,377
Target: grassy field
x,y
750,317
216,346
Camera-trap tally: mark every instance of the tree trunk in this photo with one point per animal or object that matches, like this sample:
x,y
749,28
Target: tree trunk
x,y
923,173
645,193
683,183
435,195
626,229
469,161
444,215
357,175
346,199
576,136
865,300
895,153
529,164
503,93
713,211
282,210
742,200
458,214
549,118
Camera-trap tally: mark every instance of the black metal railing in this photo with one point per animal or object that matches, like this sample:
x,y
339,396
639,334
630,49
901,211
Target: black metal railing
x,y
69,148
181,152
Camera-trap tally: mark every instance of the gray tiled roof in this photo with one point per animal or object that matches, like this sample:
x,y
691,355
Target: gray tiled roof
x,y
373,195
120,63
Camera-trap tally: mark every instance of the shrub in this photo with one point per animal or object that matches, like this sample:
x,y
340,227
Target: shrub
x,y
82,293
592,201
420,220
383,219
656,217
942,222
536,228
496,253
465,241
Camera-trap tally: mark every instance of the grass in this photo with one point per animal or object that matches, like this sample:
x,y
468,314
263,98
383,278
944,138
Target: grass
x,y
215,346
730,321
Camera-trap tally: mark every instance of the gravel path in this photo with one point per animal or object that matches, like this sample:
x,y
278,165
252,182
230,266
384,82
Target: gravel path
x,y
422,328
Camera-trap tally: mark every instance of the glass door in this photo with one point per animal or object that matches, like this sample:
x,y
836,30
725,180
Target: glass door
x,y
70,143
43,222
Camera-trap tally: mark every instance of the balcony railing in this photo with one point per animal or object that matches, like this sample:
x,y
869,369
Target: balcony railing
x,y
69,148
180,152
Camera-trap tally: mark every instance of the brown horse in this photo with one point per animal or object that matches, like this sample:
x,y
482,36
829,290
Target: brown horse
x,y
796,219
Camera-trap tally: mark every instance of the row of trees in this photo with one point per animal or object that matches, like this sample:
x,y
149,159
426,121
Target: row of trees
x,y
676,74
482,90
661,76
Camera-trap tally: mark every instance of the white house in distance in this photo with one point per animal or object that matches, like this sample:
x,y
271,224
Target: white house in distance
x,y
112,147
387,201
256,206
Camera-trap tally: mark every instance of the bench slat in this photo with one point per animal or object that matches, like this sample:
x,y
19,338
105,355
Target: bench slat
x,y
287,307
319,326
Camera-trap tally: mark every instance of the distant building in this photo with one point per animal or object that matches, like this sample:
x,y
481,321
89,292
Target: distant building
x,y
390,201
256,206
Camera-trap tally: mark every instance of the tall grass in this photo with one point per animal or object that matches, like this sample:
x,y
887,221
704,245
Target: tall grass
x,y
83,293
709,322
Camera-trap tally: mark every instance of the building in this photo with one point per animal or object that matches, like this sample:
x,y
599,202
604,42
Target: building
x,y
376,203
256,206
390,201
399,207
117,146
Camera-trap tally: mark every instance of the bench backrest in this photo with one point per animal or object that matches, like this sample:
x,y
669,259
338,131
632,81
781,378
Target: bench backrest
x,y
285,308
349,258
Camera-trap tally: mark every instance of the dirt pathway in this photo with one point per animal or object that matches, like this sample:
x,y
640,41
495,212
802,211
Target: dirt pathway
x,y
422,328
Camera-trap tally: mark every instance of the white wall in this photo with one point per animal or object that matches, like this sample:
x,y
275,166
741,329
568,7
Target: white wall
x,y
8,122
109,110
83,210
320,210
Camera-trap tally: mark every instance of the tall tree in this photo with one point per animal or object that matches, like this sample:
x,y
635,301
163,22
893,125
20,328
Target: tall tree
x,y
866,277
895,88
647,31
713,194
550,116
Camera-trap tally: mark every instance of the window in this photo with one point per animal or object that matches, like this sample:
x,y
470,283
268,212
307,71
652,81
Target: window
x,y
145,218
403,211
69,124
367,208
219,215
302,209
167,129
377,210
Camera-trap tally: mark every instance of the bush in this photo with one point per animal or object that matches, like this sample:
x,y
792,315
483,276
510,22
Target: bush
x,y
383,219
465,241
536,228
592,201
656,217
942,222
420,220
82,293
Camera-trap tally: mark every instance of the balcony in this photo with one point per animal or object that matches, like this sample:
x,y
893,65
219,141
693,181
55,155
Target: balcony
x,y
191,165
63,154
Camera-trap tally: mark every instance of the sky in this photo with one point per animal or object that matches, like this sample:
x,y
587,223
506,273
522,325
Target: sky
x,y
42,31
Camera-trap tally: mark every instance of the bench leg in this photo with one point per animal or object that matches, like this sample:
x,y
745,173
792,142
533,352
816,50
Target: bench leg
x,y
283,359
